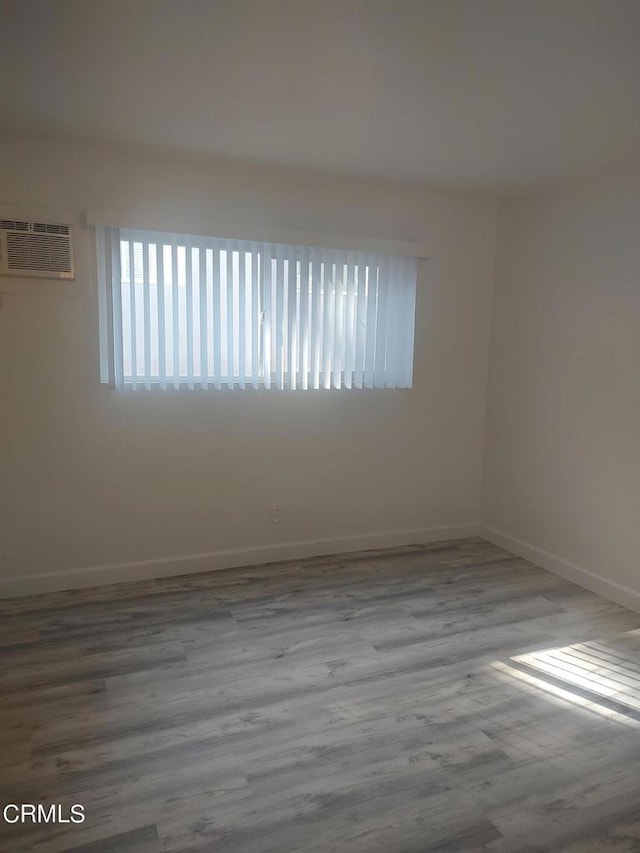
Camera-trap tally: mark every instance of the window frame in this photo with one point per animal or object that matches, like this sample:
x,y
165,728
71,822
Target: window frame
x,y
270,296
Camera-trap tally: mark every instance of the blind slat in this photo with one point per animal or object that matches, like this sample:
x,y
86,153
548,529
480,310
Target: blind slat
x,y
291,365
105,305
393,312
162,320
360,320
316,317
279,318
256,313
266,317
189,310
407,325
381,325
370,341
204,313
133,362
175,315
118,304
242,318
217,322
339,323
349,324
303,327
230,317
326,334
146,303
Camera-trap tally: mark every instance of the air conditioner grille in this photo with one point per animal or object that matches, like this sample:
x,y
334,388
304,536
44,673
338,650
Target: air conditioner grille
x,y
39,253
47,228
37,227
14,225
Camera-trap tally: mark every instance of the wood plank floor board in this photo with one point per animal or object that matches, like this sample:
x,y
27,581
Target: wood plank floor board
x,y
143,840
140,839
448,697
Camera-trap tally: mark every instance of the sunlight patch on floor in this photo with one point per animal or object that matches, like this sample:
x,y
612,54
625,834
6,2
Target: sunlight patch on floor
x,y
594,675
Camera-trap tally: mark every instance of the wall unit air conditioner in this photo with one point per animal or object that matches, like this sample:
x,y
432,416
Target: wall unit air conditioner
x,y
36,249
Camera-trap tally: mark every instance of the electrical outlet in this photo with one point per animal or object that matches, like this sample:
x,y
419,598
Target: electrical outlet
x,y
277,513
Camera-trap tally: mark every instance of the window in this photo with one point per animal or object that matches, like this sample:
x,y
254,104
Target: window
x,y
197,312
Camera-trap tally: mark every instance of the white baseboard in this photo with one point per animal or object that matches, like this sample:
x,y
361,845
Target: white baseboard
x,y
616,592
227,559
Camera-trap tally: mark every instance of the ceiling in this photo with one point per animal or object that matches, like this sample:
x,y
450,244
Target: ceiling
x,y
492,94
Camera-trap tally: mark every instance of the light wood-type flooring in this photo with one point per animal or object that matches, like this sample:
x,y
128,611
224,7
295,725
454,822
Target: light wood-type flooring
x,y
448,697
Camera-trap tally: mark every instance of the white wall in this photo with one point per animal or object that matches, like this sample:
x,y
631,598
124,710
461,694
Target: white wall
x,y
562,465
92,478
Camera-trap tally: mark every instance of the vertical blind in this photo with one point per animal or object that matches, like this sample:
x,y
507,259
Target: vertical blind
x,y
198,312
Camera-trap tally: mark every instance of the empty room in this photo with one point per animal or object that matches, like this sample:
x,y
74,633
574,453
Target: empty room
x,y
320,426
